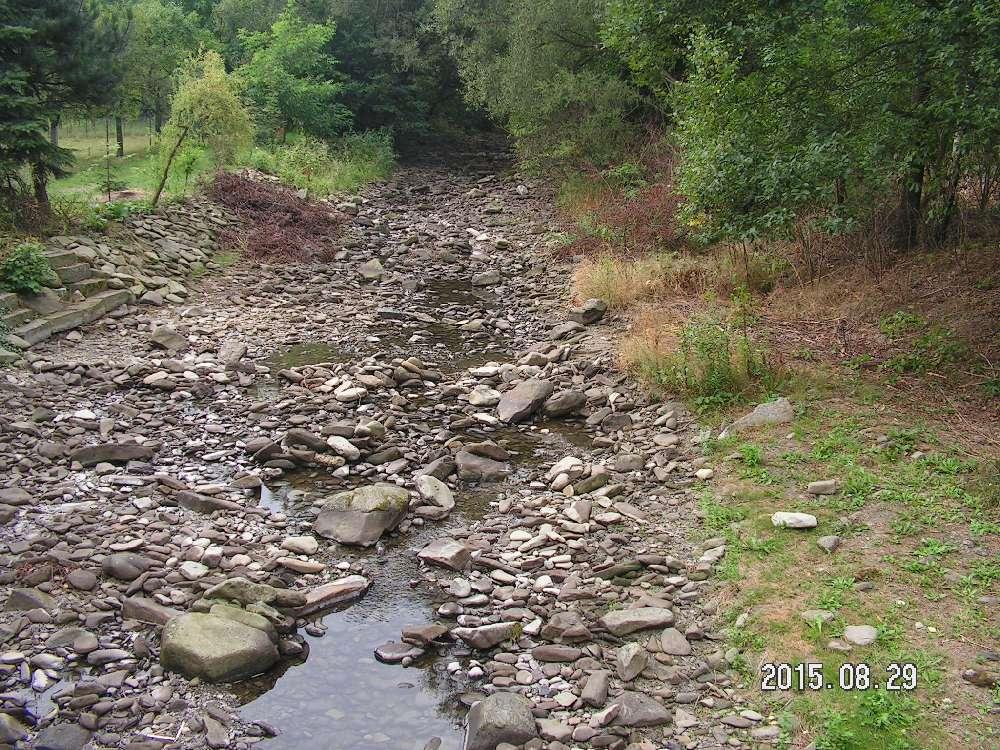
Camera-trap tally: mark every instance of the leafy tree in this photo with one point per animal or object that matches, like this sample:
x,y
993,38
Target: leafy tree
x,y
291,80
787,110
538,67
400,74
233,19
206,108
162,37
52,56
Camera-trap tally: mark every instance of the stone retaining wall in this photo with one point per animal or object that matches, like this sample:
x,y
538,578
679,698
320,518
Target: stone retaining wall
x,y
149,260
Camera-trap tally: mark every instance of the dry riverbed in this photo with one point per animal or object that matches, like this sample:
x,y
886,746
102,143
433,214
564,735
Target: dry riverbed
x,y
340,505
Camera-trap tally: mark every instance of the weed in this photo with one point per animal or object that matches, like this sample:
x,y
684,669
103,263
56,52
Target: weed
x,y
901,322
709,364
934,548
26,269
991,387
717,516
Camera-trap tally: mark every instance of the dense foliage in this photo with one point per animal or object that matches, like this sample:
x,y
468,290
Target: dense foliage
x,y
783,117
52,55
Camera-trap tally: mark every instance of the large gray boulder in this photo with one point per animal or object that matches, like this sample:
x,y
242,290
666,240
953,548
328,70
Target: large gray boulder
x,y
362,515
215,649
523,400
502,717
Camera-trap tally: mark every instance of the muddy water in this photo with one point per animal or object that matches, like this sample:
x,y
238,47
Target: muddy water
x,y
341,697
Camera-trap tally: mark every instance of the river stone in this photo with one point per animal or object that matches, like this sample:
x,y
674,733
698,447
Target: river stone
x,y
823,487
250,619
14,496
554,652
125,566
22,600
62,737
778,411
591,311
215,648
301,545
500,718
472,467
394,652
565,403
625,621
446,552
523,400
147,610
362,515
434,491
860,635
11,730
638,710
673,642
333,593
632,659
783,519
595,691
371,270
487,636
166,337
247,592
92,455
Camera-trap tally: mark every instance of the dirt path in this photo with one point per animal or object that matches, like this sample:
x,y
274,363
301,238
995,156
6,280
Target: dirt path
x,y
136,479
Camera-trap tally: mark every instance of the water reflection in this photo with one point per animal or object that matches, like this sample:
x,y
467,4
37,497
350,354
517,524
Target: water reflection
x,y
341,697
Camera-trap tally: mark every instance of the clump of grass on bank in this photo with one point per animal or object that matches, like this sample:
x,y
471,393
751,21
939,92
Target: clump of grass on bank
x,y
707,358
324,169
622,282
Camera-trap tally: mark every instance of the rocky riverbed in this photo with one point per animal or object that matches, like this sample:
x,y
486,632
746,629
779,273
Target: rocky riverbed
x,y
401,500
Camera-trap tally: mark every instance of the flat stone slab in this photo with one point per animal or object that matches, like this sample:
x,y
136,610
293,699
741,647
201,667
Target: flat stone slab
x,y
625,621
332,594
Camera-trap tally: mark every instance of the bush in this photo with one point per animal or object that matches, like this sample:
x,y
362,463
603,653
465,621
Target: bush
x,y
710,360
26,269
323,169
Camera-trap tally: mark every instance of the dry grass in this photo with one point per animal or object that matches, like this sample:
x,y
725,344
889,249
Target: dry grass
x,y
623,282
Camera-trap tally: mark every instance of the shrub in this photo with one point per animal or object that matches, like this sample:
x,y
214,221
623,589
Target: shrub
x,y
323,169
26,269
708,359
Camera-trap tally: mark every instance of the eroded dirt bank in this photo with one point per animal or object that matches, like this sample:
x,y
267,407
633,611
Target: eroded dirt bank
x,y
547,555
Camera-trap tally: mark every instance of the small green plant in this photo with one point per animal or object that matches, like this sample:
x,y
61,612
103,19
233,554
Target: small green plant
x,y
26,269
712,363
901,322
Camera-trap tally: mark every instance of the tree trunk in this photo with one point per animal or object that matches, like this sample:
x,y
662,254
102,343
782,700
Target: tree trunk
x,y
54,131
950,198
166,167
157,121
911,192
40,179
120,137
